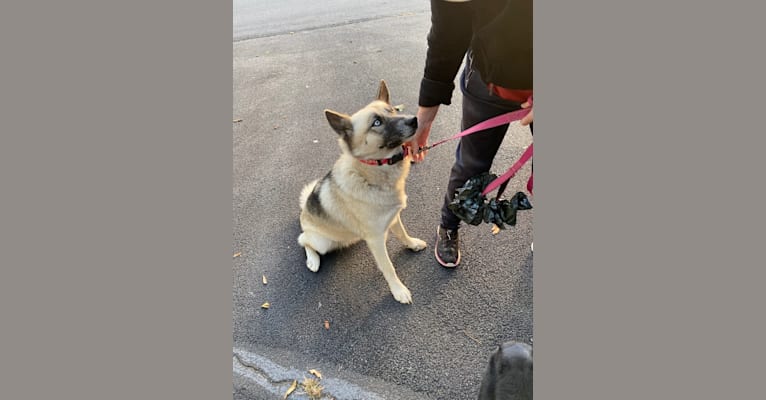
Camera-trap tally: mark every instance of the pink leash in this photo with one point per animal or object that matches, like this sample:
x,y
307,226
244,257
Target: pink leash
x,y
491,123
511,172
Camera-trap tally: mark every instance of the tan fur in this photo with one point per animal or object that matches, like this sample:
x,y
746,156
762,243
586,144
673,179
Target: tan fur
x,y
359,202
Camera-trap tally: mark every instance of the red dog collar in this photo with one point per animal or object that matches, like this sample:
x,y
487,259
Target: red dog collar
x,y
389,161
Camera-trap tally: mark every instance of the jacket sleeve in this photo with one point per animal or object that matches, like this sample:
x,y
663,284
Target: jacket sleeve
x,y
448,40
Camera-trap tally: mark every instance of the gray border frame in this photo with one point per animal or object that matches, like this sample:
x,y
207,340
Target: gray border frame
x,y
647,221
115,163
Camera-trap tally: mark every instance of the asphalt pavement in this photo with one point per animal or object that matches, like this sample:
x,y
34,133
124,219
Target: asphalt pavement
x,y
343,321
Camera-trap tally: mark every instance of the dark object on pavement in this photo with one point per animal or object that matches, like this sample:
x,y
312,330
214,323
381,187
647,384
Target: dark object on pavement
x,y
509,374
471,206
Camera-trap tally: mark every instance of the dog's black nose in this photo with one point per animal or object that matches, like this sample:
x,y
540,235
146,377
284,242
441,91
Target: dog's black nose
x,y
413,122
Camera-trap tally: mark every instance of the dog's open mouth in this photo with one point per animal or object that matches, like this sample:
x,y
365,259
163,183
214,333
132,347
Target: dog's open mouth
x,y
398,142
392,145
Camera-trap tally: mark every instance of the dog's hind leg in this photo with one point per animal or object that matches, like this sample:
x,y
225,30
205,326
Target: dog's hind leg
x,y
315,245
312,258
380,253
397,228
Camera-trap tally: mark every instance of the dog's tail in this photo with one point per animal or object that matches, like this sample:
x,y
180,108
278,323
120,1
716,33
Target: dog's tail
x,y
306,192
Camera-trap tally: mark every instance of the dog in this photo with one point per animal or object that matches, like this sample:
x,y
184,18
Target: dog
x,y
509,373
362,196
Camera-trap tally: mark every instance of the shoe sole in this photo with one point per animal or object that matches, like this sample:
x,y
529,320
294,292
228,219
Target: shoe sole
x,y
439,260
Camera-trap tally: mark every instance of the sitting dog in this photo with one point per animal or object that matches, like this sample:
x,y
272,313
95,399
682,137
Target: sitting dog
x,y
363,194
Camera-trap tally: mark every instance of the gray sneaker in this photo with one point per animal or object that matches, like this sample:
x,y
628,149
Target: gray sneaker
x,y
447,250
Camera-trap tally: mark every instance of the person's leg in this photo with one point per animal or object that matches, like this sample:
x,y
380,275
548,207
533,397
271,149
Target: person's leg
x,y
474,155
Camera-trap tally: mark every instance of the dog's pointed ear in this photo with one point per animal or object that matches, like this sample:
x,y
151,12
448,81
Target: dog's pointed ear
x,y
341,123
383,92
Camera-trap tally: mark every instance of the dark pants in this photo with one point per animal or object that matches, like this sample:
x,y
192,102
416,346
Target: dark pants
x,y
475,152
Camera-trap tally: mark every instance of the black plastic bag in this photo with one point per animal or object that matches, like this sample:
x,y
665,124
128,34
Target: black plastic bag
x,y
472,207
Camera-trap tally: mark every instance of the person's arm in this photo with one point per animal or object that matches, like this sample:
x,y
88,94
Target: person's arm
x,y
448,41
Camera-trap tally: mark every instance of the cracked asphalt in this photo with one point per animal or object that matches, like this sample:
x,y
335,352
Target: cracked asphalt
x,y
436,348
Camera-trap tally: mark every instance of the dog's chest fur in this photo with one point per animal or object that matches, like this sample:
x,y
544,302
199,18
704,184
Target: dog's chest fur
x,y
381,185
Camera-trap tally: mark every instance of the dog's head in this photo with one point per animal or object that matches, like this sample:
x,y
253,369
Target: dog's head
x,y
376,131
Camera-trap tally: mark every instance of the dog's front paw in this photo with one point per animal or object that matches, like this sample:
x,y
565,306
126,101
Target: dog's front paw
x,y
416,244
402,294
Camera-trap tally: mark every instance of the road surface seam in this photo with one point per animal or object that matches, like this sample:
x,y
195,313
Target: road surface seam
x,y
261,372
333,387
335,25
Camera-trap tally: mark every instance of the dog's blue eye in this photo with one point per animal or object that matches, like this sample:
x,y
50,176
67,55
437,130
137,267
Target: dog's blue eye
x,y
376,122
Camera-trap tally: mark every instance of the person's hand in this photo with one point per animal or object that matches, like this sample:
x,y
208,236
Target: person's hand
x,y
426,116
527,118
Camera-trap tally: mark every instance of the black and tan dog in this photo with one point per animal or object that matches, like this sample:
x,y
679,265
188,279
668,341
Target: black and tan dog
x,y
362,196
